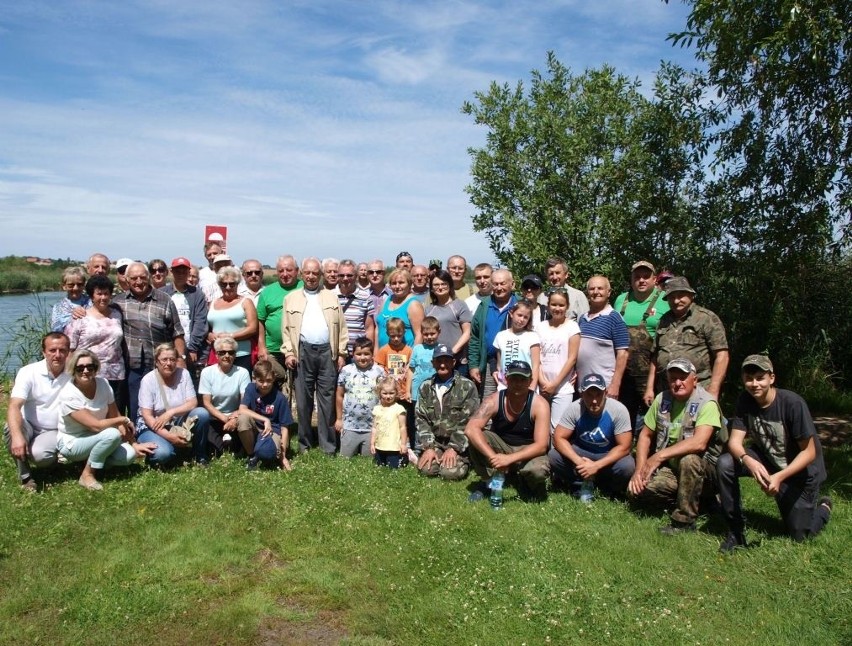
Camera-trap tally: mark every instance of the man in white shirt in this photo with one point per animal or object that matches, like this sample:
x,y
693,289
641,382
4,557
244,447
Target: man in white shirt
x,y
313,341
33,417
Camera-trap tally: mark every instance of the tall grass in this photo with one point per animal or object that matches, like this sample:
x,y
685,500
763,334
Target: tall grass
x,y
24,345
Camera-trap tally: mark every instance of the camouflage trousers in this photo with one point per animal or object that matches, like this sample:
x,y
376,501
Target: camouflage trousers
x,y
435,470
533,472
682,481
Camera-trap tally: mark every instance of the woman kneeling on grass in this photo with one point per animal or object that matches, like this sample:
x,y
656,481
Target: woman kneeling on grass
x,y
167,404
90,427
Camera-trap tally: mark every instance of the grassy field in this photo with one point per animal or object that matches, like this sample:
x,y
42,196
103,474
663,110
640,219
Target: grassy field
x,y
339,551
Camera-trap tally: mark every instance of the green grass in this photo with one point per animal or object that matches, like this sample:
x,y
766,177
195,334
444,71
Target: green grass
x,y
339,550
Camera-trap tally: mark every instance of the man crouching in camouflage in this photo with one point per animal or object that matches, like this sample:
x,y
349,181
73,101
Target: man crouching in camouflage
x,y
445,404
683,426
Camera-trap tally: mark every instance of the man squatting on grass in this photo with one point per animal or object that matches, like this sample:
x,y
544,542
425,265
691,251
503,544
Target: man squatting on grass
x,y
785,456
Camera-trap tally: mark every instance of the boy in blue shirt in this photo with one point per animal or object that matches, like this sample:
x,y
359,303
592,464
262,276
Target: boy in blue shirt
x,y
264,418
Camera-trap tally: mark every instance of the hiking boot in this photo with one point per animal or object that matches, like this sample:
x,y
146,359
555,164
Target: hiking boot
x,y
677,528
825,501
734,541
252,463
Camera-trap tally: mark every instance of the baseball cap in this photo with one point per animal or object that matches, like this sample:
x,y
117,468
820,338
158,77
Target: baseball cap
x,y
759,361
180,261
684,365
678,284
122,263
592,380
531,278
436,263
643,263
222,257
519,368
442,350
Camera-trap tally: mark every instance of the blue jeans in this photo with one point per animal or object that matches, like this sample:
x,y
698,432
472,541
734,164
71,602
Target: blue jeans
x,y
101,449
165,451
612,479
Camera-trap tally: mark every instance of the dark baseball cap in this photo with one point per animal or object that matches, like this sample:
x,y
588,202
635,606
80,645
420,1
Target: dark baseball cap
x,y
592,380
442,350
519,368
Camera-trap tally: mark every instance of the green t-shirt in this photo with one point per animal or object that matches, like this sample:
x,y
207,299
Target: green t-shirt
x,y
708,414
635,311
270,307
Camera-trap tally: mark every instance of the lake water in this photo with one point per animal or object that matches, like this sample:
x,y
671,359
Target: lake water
x,y
15,306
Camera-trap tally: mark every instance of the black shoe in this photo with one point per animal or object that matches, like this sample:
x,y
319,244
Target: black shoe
x,y
734,541
480,491
29,485
252,463
202,463
825,501
677,528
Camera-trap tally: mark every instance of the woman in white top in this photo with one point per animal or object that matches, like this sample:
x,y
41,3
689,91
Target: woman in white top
x,y
167,400
560,343
90,427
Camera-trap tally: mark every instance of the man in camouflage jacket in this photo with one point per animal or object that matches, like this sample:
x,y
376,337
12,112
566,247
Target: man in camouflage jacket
x,y
445,404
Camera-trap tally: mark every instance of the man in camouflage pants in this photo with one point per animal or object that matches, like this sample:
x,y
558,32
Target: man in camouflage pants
x,y
678,447
445,404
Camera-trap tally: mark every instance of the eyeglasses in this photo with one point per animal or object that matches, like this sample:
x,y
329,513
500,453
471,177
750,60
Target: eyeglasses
x,y
346,275
226,353
228,283
253,272
167,360
437,285
375,271
80,368
159,270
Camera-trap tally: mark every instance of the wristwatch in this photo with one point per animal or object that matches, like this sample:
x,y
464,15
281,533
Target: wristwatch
x,y
741,459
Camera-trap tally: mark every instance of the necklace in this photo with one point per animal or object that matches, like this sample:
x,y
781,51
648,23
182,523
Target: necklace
x,y
511,409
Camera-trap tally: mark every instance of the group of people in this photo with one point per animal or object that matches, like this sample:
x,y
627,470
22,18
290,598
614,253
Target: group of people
x,y
555,388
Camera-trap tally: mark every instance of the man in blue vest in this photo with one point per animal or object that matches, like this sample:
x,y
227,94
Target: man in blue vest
x,y
678,447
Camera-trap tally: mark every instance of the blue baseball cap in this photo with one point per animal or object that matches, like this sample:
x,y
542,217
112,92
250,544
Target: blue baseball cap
x,y
592,380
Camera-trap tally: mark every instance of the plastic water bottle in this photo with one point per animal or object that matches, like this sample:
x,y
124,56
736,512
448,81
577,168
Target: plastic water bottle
x,y
587,491
496,486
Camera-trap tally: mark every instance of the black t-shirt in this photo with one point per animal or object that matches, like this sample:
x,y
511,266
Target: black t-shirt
x,y
775,431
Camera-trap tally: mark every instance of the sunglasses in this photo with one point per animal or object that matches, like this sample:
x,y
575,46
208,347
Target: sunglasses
x,y
121,271
226,353
346,275
253,272
375,271
159,270
227,284
80,368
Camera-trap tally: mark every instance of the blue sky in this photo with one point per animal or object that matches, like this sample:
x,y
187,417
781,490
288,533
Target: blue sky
x,y
307,127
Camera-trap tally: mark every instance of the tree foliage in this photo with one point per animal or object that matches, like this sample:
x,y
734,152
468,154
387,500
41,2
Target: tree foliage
x,y
782,76
586,167
736,176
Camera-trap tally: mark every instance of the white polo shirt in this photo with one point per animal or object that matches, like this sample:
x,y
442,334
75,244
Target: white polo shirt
x,y
40,391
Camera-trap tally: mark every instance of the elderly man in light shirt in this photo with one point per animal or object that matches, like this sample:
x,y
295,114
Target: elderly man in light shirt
x,y
313,341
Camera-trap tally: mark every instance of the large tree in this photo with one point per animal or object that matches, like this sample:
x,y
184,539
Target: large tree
x,y
587,167
781,74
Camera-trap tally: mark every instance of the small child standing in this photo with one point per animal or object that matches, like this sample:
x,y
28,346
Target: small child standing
x,y
518,343
389,439
356,397
394,358
264,416
420,366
